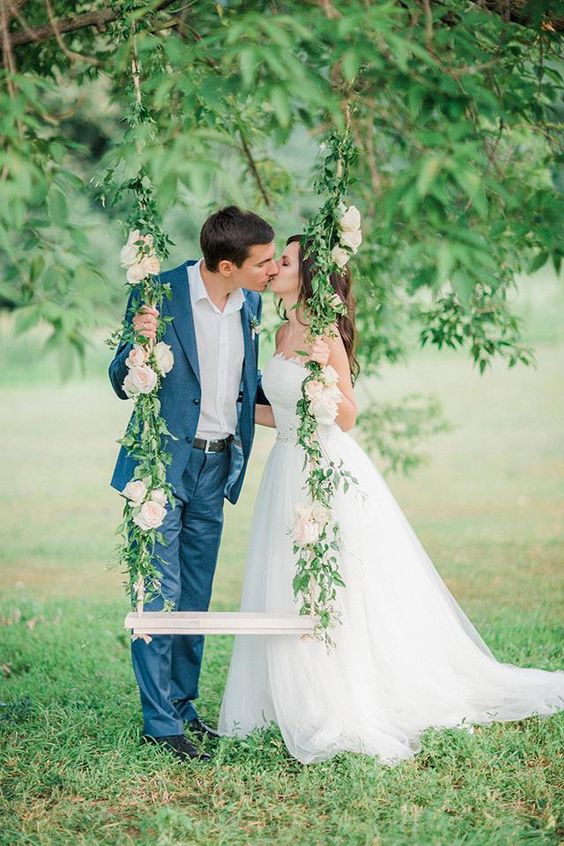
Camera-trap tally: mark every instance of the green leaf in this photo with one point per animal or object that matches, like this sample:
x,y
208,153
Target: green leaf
x,y
463,285
281,105
538,261
57,205
350,65
429,170
27,318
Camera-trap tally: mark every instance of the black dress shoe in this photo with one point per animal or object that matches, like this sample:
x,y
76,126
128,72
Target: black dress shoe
x,y
179,745
201,730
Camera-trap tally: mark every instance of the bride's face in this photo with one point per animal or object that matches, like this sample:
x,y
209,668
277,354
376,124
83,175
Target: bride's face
x,y
287,281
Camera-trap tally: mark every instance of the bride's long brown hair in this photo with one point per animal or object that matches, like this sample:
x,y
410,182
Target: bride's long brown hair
x,y
342,284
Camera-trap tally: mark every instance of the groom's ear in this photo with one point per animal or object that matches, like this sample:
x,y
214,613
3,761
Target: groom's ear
x,y
225,267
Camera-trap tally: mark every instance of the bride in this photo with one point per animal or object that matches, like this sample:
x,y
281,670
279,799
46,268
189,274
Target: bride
x,y
406,658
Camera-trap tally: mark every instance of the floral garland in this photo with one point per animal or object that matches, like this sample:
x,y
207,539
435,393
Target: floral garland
x,y
148,493
331,238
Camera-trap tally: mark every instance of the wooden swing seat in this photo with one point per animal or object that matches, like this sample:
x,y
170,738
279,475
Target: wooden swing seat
x,y
218,622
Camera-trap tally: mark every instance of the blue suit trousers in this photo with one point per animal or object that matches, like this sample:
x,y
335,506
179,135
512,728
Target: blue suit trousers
x,y
168,669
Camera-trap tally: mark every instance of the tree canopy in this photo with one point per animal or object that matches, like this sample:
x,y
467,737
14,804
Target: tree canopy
x,y
455,108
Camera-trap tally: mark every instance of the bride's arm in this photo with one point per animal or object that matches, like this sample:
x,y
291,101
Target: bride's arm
x,y
346,415
264,416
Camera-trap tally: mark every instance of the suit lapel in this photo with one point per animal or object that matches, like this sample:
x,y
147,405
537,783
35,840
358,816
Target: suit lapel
x,y
249,363
181,310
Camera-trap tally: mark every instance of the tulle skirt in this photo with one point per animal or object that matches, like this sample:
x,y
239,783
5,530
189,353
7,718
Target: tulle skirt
x,y
406,658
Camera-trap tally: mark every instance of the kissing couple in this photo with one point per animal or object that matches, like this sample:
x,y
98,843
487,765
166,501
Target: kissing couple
x,y
405,656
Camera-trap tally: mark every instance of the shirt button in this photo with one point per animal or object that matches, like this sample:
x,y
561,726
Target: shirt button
x,y
196,401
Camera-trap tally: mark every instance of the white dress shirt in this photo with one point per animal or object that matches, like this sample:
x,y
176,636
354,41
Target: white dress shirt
x,y
219,340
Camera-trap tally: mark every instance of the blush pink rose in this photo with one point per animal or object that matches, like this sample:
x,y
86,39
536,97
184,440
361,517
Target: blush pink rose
x,y
137,356
330,375
305,532
319,513
136,272
325,408
135,491
158,495
151,265
314,389
140,380
150,516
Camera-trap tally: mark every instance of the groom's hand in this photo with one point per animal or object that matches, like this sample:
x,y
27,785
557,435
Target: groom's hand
x,y
145,322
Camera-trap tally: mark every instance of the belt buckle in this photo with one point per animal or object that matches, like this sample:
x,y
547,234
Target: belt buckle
x,y
219,445
207,449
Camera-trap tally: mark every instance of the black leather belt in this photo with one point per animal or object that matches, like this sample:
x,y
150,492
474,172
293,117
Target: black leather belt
x,y
212,446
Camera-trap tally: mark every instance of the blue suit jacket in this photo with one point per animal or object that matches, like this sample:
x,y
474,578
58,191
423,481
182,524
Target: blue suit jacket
x,y
180,391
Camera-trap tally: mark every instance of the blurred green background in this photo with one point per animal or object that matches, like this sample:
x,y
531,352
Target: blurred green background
x,y
488,504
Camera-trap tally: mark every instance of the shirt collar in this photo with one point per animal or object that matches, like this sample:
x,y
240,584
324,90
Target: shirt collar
x,y
199,292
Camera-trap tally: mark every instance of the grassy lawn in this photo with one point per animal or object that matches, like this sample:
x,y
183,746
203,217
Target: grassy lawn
x,y
489,509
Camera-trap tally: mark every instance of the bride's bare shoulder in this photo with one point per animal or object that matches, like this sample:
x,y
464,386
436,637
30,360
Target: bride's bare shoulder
x,y
280,332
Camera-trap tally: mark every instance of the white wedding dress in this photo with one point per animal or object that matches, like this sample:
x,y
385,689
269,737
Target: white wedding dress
x,y
406,657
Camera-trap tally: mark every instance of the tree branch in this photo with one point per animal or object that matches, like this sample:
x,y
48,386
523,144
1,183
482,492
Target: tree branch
x,y
254,170
100,18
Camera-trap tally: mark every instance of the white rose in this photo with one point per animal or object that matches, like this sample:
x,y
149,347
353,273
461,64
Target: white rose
x,y
158,495
140,380
130,252
325,408
340,256
137,356
314,389
163,357
351,238
350,219
135,491
305,532
150,516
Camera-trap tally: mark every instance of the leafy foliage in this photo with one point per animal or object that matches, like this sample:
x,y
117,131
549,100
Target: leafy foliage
x,y
454,108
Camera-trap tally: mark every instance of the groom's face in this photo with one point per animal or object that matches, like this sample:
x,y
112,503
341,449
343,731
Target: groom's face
x,y
257,269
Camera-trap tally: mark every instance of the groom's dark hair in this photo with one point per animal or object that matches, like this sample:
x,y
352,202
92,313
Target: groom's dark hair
x,y
230,233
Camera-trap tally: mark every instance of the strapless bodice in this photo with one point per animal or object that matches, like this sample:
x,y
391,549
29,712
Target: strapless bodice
x,y
282,383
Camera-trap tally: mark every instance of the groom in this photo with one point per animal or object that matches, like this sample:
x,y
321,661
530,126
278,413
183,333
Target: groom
x,y
208,401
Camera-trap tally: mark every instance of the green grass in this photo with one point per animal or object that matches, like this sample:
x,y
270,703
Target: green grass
x,y
73,771
487,507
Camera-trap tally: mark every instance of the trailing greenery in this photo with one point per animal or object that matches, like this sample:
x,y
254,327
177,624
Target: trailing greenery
x,y
317,539
148,493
